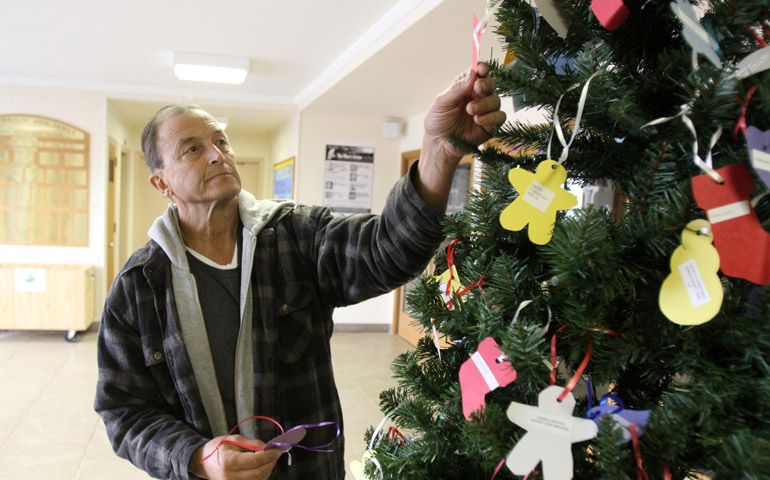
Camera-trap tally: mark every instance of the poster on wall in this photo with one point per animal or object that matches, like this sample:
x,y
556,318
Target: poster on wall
x,y
349,177
283,179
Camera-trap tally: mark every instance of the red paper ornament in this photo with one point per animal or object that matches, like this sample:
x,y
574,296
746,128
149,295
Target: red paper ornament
x,y
611,13
742,243
486,370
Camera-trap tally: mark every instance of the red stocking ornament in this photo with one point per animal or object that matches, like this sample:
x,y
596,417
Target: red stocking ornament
x,y
742,243
486,370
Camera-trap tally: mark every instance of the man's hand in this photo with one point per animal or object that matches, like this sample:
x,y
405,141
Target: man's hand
x,y
231,462
470,108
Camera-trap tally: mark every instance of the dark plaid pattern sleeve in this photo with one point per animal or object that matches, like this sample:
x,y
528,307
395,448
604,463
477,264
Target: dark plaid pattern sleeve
x,y
361,256
306,263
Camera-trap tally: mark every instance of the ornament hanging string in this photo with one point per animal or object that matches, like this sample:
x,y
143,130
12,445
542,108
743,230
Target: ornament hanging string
x,y
435,336
450,265
320,448
521,307
377,436
740,126
637,453
706,165
578,118
576,377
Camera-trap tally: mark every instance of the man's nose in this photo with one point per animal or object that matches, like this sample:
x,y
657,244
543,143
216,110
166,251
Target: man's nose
x,y
215,155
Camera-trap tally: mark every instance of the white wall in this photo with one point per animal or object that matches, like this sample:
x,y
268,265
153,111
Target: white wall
x,y
315,130
87,111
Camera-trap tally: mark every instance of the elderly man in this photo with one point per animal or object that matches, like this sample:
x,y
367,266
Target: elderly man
x,y
226,313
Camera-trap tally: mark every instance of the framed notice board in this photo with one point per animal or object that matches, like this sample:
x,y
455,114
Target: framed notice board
x,y
283,179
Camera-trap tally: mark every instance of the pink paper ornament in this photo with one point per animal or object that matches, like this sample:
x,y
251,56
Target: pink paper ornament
x,y
610,13
486,370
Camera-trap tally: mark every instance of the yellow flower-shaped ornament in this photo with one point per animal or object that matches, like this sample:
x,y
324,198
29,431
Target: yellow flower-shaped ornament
x,y
540,197
451,279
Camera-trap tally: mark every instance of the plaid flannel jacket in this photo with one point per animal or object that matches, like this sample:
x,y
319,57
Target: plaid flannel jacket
x,y
306,262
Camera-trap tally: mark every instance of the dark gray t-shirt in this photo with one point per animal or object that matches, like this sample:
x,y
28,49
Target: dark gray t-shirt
x,y
219,294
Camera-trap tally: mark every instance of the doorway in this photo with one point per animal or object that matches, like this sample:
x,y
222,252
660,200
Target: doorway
x,y
404,325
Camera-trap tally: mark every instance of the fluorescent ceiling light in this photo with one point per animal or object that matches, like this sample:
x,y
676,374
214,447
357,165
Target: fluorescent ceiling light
x,y
210,68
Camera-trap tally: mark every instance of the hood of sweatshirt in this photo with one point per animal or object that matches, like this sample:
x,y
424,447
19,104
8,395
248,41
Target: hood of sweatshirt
x,y
254,214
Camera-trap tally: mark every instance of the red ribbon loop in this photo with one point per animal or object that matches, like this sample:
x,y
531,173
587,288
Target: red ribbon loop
x,y
581,368
740,126
638,453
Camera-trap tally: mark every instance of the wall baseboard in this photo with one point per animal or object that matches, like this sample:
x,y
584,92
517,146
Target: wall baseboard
x,y
362,327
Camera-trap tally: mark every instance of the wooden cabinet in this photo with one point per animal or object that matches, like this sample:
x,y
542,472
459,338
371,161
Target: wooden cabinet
x,y
46,297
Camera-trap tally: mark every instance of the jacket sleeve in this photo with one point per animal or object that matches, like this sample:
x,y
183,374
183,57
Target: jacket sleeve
x,y
144,421
361,256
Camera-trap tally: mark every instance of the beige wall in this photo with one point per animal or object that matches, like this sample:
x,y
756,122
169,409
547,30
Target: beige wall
x,y
284,145
316,130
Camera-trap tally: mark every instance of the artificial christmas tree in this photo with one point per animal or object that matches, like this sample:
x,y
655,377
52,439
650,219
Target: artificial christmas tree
x,y
673,91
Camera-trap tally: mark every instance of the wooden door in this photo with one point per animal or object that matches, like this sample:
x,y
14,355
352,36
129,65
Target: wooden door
x,y
251,175
403,324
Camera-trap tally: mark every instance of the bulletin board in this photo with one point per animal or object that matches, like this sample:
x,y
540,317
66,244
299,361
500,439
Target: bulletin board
x,y
43,182
283,179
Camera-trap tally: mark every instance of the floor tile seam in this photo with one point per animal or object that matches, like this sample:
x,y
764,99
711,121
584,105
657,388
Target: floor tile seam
x,y
88,449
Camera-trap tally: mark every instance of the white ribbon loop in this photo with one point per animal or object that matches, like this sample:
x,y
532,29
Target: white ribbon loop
x,y
578,118
705,165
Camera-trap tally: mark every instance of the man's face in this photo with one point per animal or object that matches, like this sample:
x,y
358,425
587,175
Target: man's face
x,y
198,164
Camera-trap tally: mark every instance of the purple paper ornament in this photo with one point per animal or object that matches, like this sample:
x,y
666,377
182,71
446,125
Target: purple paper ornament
x,y
622,417
758,144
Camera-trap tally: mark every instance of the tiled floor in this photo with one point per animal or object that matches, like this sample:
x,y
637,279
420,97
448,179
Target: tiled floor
x,y
49,431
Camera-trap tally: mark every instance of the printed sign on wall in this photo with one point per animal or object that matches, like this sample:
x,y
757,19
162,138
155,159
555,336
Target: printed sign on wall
x,y
349,177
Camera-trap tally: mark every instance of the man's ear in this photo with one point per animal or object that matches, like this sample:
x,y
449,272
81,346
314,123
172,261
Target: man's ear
x,y
157,181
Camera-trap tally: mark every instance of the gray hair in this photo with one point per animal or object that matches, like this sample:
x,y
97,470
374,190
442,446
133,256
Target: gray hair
x,y
150,134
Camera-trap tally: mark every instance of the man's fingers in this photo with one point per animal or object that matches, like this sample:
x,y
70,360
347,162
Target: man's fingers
x,y
483,105
490,121
484,86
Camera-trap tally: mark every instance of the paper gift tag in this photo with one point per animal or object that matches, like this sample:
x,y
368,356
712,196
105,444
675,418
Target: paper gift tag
x,y
692,293
540,197
758,144
742,243
286,440
694,33
485,371
610,13
551,431
554,15
753,63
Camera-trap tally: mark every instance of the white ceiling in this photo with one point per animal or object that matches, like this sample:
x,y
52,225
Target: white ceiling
x,y
375,57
